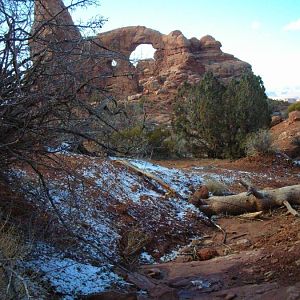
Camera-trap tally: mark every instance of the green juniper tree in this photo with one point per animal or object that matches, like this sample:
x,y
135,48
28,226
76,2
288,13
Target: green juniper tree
x,y
215,119
246,111
199,115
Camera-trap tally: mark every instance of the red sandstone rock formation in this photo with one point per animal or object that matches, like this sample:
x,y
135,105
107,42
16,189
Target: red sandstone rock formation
x,y
60,26
285,134
176,60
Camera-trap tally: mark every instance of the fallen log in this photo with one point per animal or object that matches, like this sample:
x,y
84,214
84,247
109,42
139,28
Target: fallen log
x,y
170,192
252,201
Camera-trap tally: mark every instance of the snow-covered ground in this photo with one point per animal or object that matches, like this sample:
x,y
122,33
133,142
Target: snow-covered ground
x,y
178,180
69,277
100,200
88,202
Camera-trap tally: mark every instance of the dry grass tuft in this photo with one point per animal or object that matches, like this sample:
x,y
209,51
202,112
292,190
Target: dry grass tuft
x,y
12,250
215,187
131,246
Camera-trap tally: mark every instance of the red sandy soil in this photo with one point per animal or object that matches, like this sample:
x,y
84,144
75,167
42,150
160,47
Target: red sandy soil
x,y
260,258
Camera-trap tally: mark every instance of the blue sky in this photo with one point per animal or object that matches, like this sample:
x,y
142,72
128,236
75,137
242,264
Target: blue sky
x,y
264,33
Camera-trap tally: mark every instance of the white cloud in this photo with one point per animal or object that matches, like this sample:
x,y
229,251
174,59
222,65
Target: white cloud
x,y
255,25
292,25
284,92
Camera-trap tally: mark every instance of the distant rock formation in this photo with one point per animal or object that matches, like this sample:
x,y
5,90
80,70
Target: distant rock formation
x,y
59,28
176,60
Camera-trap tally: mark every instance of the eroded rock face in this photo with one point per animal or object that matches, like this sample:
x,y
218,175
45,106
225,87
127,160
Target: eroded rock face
x,y
60,26
286,134
176,60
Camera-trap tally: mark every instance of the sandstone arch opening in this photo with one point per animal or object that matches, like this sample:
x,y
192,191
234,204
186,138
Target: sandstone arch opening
x,y
142,52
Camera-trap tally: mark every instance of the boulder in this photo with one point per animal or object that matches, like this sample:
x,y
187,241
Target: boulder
x,y
294,116
276,120
207,253
285,135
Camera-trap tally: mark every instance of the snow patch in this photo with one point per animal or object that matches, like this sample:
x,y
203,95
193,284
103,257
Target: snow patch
x,y
201,284
72,278
296,163
169,256
178,180
146,258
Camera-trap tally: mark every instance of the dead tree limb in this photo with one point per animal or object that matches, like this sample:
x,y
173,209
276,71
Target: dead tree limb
x,y
140,172
290,209
252,201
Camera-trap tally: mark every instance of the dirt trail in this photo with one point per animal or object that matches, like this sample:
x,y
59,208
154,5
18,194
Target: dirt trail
x,y
260,258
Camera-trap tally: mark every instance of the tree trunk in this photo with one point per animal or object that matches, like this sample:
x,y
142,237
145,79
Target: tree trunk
x,y
251,201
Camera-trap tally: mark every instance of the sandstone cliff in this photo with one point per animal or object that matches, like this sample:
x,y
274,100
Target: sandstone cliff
x,y
176,60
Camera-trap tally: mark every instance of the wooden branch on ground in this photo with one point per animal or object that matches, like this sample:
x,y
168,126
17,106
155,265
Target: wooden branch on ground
x,y
253,215
290,209
252,201
170,191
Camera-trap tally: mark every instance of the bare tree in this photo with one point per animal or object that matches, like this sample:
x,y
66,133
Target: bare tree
x,y
52,86
48,74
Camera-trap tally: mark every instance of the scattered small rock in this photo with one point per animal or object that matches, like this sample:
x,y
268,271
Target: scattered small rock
x,y
274,261
207,253
155,273
244,243
199,194
297,262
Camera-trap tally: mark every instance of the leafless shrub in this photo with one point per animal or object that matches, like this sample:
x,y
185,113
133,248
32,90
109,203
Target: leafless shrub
x,y
13,249
259,143
47,78
131,245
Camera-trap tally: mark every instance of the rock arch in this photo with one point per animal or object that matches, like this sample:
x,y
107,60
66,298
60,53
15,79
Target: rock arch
x,y
125,40
141,53
177,59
